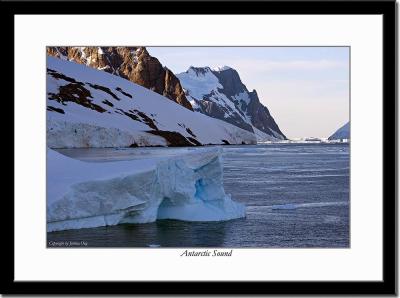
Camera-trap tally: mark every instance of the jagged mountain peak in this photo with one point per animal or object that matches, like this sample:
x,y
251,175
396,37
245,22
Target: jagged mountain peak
x,y
132,63
142,51
220,93
227,77
198,71
205,69
221,68
231,82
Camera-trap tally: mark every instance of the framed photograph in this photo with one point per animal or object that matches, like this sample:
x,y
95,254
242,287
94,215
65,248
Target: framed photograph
x,y
201,148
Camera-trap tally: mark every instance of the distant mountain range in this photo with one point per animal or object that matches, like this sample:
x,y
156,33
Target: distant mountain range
x,y
121,102
341,133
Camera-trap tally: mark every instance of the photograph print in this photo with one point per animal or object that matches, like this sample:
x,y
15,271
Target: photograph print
x,y
197,147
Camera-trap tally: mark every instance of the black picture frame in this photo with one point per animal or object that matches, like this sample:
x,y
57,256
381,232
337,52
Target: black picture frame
x,y
385,8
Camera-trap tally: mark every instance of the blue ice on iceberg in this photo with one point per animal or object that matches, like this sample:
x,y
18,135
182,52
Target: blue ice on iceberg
x,y
189,187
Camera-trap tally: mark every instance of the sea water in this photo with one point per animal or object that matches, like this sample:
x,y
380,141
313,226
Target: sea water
x,y
296,195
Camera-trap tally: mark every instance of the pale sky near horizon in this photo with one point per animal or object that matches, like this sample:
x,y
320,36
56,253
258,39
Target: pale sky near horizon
x,y
306,89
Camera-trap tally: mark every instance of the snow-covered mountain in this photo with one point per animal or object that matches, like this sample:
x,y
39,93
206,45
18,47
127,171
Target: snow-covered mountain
x,y
341,133
132,63
220,93
91,108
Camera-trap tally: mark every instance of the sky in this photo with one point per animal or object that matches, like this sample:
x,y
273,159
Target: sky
x,y
306,89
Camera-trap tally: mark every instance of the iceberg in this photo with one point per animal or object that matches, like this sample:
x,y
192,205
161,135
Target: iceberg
x,y
92,194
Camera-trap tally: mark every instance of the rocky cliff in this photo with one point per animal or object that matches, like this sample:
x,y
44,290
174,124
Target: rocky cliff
x,y
220,93
132,63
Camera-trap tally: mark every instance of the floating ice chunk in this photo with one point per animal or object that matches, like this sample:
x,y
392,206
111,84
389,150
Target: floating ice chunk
x,y
154,245
285,207
190,187
306,205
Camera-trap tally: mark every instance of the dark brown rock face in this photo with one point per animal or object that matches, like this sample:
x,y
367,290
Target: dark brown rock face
x,y
132,63
258,113
261,117
215,110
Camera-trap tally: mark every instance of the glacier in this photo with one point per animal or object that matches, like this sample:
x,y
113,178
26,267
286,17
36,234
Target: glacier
x,y
93,194
89,108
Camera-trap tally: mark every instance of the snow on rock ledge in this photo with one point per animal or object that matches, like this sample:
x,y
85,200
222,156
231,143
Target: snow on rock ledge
x,y
89,108
87,194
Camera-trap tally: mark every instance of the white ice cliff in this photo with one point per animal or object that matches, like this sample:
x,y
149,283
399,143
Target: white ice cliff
x,y
92,194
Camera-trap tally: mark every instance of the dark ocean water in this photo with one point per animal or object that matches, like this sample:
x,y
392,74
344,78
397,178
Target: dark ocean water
x,y
296,195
